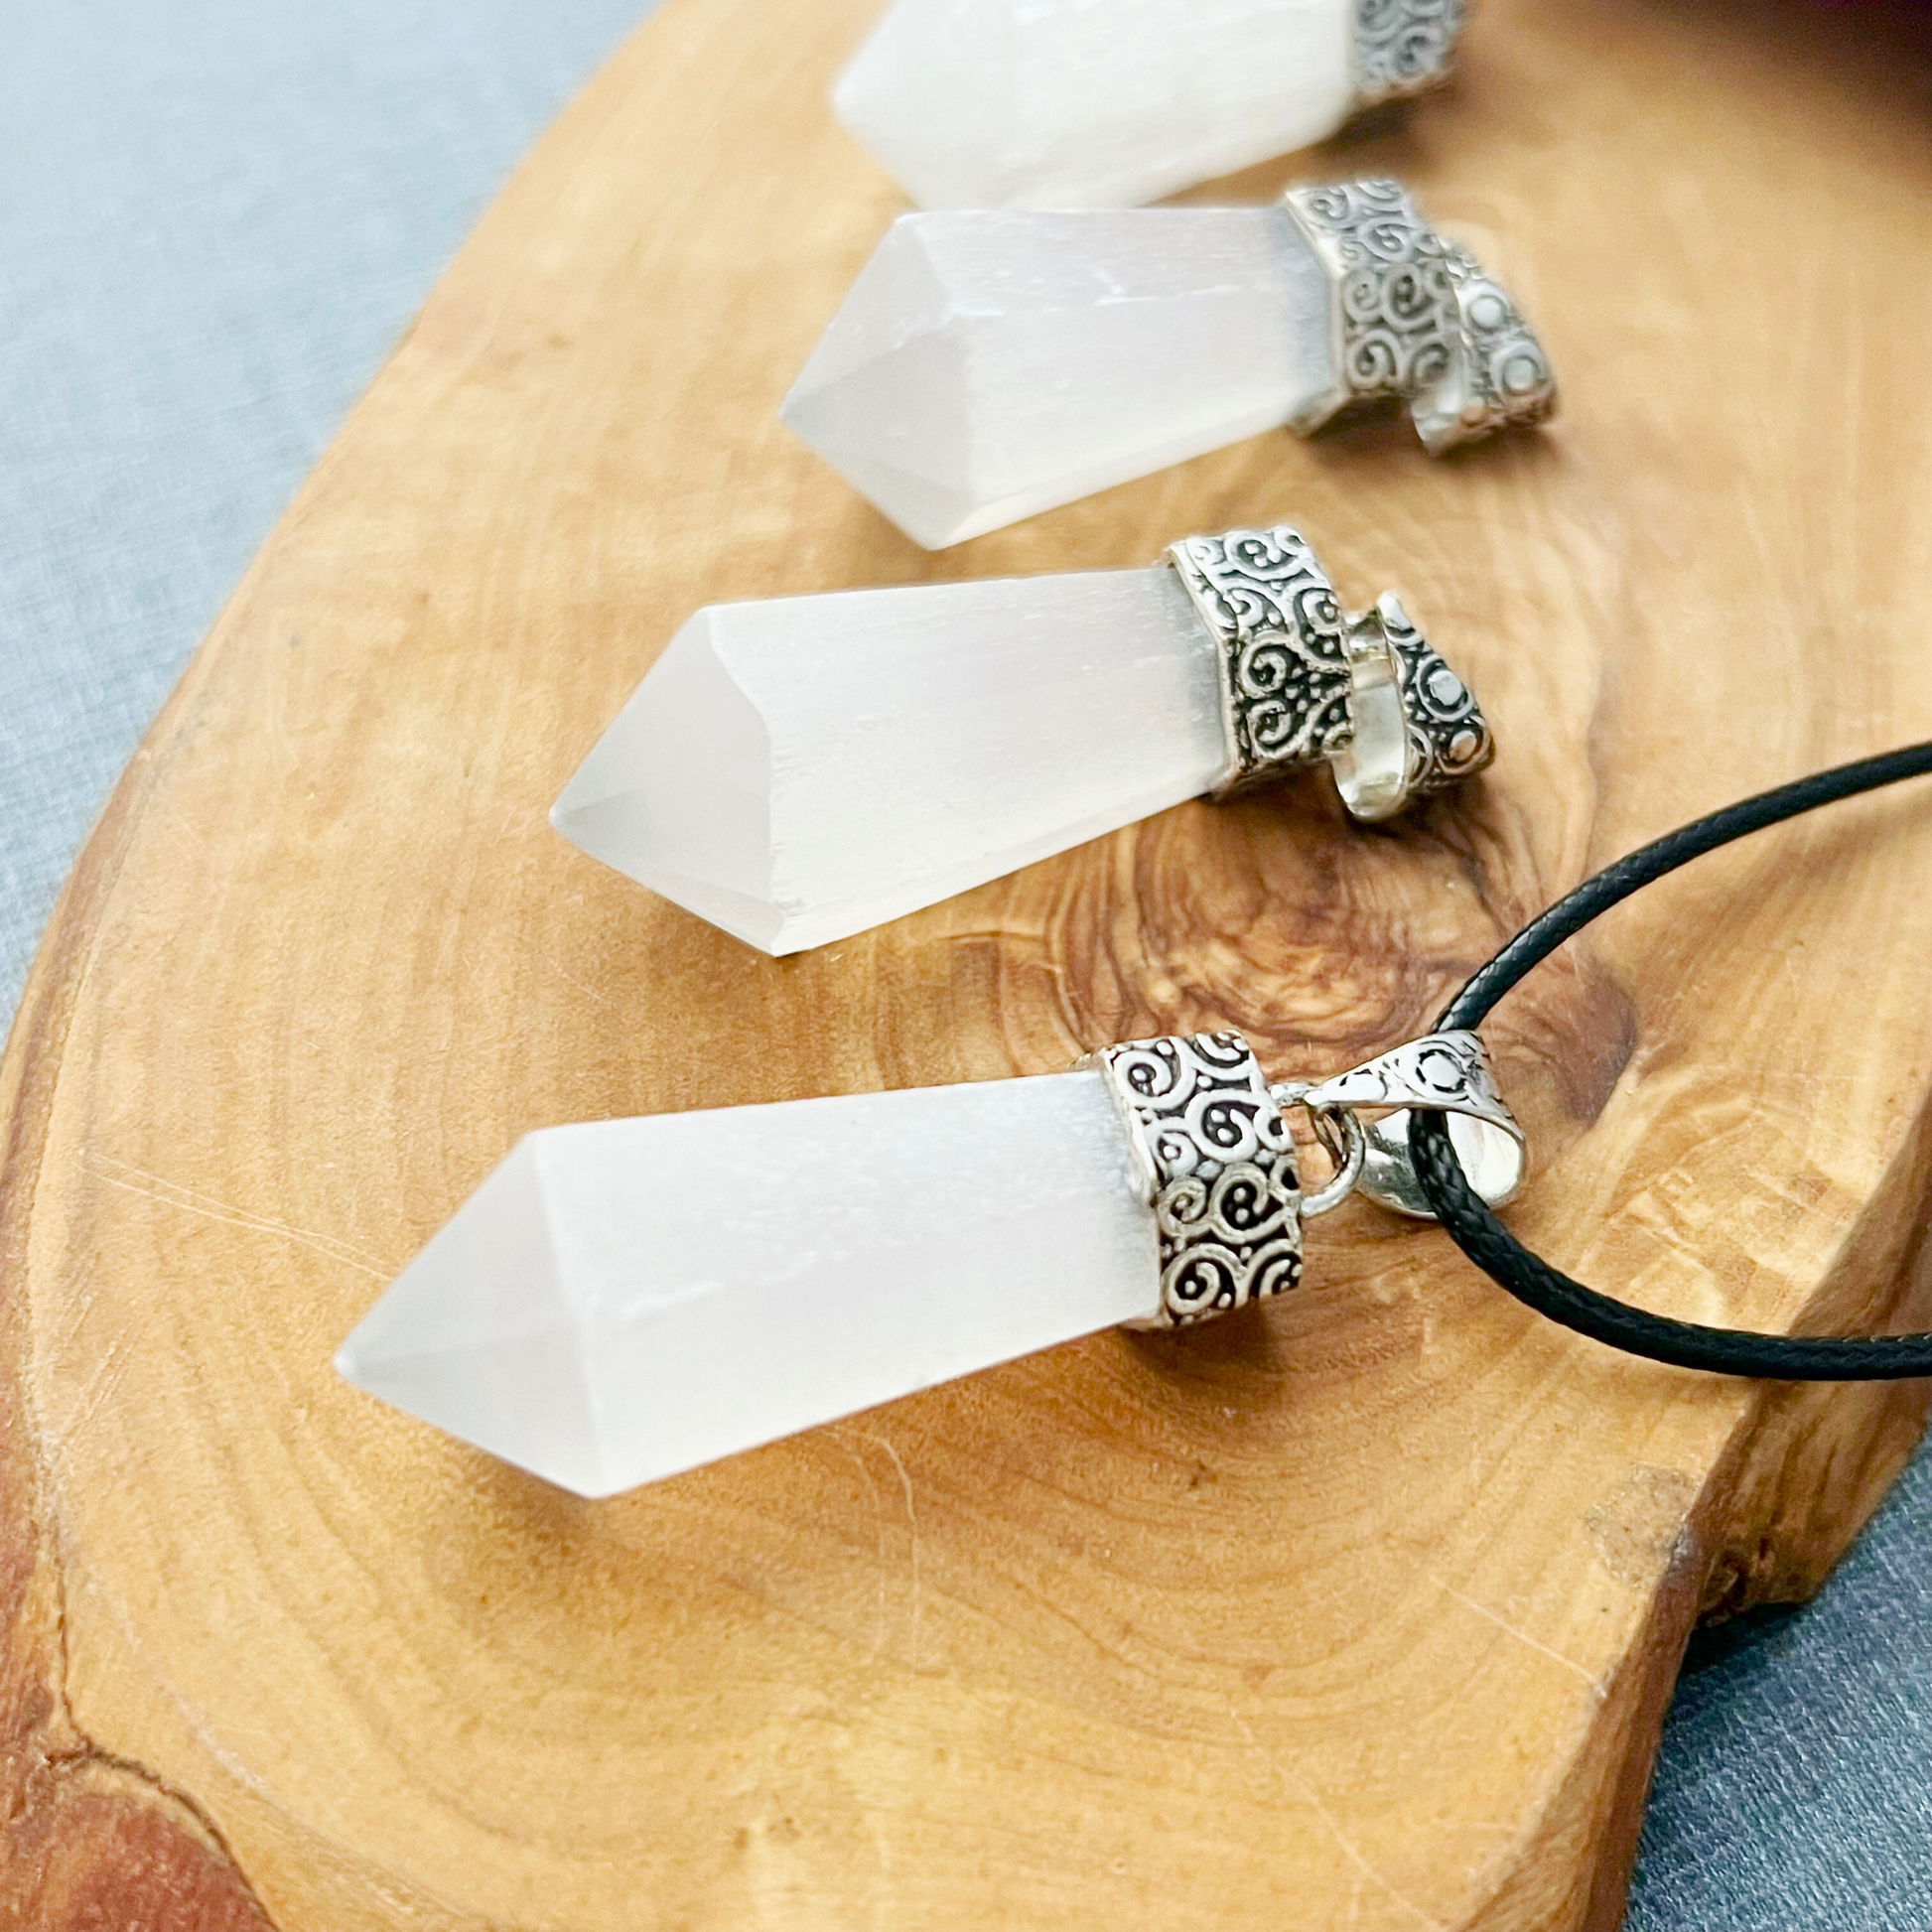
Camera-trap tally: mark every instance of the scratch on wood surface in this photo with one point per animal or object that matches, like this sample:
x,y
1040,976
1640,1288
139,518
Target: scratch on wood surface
x,y
153,1186
879,1530
1522,1636
105,1366
1297,1785
589,991
913,1533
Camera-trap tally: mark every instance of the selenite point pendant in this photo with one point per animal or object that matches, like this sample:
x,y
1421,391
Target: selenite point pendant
x,y
623,1300
1065,104
985,366
797,770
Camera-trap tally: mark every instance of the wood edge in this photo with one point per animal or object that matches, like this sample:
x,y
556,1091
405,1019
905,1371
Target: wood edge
x,y
1794,1500
1807,1464
91,1837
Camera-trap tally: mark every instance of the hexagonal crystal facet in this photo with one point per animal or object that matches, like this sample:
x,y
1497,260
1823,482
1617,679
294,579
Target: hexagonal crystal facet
x,y
985,366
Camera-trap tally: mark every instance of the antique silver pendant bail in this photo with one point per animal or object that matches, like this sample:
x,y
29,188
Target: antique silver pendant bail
x,y
1448,1072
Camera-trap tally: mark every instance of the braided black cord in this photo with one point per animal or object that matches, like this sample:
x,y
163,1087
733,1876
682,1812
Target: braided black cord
x,y
1483,1238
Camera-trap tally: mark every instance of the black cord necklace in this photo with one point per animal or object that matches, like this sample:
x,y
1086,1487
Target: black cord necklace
x,y
1483,1237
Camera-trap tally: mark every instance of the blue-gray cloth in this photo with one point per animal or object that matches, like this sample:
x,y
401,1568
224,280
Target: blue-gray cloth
x,y
216,216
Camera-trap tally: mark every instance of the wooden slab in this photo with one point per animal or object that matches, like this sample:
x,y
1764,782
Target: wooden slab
x,y
1358,1612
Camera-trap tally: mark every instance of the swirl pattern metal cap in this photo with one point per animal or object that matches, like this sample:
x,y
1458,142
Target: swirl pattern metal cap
x,y
1305,683
1418,319
1218,1168
1402,48
1286,678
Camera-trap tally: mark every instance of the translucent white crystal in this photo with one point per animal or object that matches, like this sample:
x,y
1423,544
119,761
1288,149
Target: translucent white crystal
x,y
622,1301
800,768
1092,103
985,366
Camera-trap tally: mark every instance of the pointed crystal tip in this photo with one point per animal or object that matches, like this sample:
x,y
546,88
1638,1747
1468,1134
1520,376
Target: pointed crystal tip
x,y
883,397
676,793
479,1336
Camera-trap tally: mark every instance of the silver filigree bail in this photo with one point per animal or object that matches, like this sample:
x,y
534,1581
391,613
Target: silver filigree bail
x,y
1416,318
1217,1166
1498,375
1449,1072
1418,725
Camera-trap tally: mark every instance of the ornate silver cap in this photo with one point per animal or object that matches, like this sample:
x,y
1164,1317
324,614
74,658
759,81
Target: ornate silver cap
x,y
1303,683
1218,1168
1403,46
1417,318
1285,660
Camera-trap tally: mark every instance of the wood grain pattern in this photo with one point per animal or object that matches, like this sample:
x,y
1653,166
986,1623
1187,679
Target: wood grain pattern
x,y
1358,1612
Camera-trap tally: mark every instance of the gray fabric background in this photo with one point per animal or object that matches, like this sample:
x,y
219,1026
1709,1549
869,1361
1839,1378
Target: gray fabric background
x,y
216,215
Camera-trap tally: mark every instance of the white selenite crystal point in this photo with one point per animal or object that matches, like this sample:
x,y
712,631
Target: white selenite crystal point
x,y
987,366
800,768
1092,103
622,1301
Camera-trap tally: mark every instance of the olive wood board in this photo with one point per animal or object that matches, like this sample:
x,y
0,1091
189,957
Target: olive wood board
x,y
1358,1610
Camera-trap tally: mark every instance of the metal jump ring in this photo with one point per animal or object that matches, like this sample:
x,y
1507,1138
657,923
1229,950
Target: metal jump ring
x,y
1342,1137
